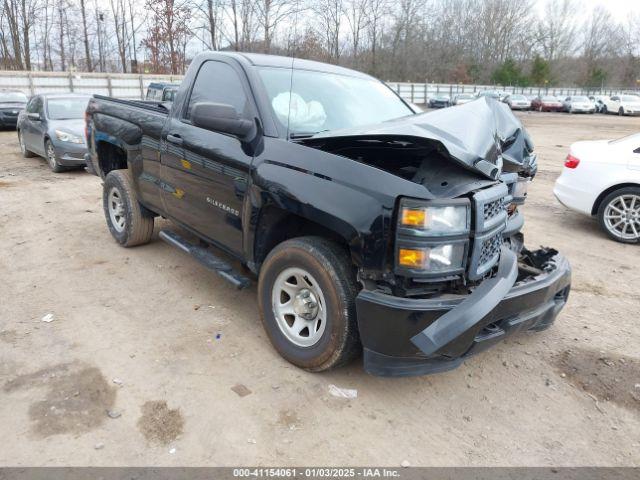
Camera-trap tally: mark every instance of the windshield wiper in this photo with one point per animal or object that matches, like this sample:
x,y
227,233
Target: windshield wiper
x,y
299,135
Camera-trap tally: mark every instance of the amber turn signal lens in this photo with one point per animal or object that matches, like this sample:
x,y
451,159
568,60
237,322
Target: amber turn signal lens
x,y
412,258
414,217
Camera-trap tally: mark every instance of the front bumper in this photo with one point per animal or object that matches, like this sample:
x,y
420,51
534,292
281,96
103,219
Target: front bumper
x,y
403,337
8,121
70,154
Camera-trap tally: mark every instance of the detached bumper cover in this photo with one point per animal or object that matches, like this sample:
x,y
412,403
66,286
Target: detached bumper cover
x,y
404,337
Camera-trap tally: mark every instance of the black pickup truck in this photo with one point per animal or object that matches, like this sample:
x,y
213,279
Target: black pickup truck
x,y
368,227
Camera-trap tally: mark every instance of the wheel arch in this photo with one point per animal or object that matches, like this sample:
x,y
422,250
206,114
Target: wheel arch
x,y
613,188
276,225
110,157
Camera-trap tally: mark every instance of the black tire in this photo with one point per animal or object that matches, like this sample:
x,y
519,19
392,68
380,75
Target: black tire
x,y
603,207
331,267
23,149
621,112
605,110
52,158
136,227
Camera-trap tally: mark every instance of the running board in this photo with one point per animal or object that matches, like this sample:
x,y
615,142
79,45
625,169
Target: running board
x,y
206,258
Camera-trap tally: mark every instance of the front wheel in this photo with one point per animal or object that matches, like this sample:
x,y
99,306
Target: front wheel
x,y
306,293
52,158
621,111
129,222
619,215
605,110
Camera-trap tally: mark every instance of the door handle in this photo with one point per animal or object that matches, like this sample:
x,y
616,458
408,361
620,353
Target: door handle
x,y
174,138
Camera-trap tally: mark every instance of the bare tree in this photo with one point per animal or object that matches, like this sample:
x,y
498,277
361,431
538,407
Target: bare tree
x,y
556,29
329,14
85,36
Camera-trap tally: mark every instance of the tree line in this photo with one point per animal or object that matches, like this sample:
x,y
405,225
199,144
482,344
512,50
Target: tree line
x,y
507,42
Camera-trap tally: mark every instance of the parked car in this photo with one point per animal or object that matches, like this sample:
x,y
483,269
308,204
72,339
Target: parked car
x,y
622,105
440,101
11,102
491,94
162,92
546,103
599,101
602,178
52,126
578,104
463,98
517,102
366,226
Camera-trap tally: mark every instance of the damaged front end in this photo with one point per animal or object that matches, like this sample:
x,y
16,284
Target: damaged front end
x,y
459,278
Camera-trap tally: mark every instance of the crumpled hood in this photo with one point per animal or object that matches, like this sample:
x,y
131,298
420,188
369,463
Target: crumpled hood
x,y
482,135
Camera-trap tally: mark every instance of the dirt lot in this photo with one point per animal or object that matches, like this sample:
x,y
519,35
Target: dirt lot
x,y
151,360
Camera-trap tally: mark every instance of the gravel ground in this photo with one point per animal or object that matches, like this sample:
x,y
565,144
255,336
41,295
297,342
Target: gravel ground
x,y
151,360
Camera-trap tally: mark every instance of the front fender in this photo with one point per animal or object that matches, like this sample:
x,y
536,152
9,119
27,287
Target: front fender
x,y
352,199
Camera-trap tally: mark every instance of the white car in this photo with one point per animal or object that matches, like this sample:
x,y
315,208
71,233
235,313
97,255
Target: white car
x,y
622,105
602,178
578,104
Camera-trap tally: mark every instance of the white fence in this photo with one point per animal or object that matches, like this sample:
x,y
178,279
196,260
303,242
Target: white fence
x,y
131,86
120,85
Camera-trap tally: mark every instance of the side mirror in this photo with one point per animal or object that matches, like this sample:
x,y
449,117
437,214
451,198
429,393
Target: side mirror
x,y
220,117
34,116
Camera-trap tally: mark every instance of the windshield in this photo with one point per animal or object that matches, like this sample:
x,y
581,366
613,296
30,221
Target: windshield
x,y
518,97
579,99
490,94
309,102
13,97
66,108
549,98
465,96
630,98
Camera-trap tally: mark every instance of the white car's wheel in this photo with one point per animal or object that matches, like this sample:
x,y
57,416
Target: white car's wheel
x,y
619,215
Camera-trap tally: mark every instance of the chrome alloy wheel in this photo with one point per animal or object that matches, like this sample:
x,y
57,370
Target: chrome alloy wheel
x,y
299,307
115,204
622,217
51,155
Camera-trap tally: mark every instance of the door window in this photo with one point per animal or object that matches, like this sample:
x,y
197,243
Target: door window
x,y
218,82
35,105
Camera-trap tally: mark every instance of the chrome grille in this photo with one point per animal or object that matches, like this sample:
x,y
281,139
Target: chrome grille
x,y
490,248
490,212
493,209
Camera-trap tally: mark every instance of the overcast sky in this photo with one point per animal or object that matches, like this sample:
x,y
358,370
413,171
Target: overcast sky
x,y
620,9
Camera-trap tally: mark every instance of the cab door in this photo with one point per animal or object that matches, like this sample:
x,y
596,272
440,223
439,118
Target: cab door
x,y
206,173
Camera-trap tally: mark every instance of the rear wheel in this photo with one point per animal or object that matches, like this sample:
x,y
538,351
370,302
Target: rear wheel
x,y
619,215
621,111
128,221
23,147
52,158
306,294
604,110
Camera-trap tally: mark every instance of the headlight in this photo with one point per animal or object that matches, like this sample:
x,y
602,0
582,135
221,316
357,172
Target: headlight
x,y
435,219
68,137
434,259
432,237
